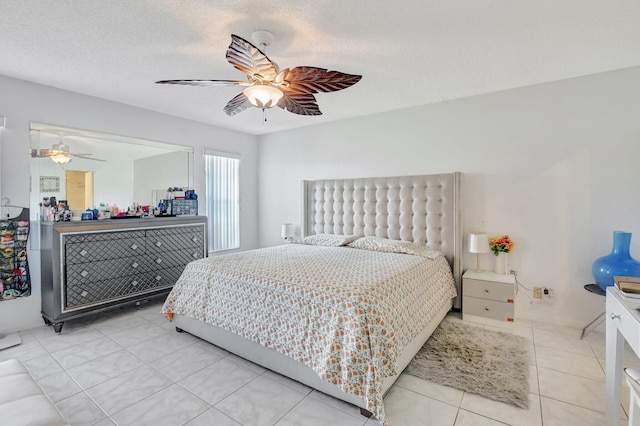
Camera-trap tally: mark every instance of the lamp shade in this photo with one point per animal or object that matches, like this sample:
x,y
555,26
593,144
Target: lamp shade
x,y
263,96
478,243
288,230
60,158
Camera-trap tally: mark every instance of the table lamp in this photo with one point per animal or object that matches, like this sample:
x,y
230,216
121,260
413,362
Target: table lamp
x,y
478,243
288,232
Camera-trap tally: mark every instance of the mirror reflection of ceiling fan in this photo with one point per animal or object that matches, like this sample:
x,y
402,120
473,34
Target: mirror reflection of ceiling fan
x,y
60,153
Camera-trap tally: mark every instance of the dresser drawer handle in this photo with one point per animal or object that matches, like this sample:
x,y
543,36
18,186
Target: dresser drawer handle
x,y
158,244
134,247
158,277
135,265
134,283
486,309
83,253
486,291
194,239
84,274
158,261
615,316
195,255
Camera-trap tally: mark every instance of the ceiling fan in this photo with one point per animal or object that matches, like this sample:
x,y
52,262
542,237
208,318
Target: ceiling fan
x,y
291,89
59,153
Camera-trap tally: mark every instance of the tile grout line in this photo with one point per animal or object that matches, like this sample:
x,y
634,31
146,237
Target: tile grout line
x,y
83,390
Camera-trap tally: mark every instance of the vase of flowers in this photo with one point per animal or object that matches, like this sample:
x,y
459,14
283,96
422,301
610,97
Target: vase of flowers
x,y
501,247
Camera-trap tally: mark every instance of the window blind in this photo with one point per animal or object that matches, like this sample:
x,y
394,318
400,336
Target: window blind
x,y
223,201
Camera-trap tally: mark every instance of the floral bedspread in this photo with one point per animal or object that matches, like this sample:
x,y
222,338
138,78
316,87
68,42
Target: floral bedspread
x,y
345,312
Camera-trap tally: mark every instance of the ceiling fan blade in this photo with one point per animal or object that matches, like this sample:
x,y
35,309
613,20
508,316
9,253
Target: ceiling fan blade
x,y
247,58
43,153
46,153
238,104
314,80
205,83
83,156
299,103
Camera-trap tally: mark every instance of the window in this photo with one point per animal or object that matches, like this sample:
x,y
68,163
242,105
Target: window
x,y
223,200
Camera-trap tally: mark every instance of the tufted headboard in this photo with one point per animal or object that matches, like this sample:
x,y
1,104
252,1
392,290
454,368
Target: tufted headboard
x,y
423,209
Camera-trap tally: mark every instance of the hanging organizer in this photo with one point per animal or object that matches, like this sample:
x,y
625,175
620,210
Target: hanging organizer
x,y
14,266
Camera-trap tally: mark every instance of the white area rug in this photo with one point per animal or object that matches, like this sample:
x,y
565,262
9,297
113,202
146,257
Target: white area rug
x,y
489,363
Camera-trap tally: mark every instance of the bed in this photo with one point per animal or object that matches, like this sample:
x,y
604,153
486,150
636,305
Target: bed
x,y
346,311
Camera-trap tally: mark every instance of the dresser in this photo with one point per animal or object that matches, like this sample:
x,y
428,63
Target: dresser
x,y
488,297
90,266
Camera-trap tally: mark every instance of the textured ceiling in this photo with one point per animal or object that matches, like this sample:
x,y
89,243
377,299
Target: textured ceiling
x,y
408,52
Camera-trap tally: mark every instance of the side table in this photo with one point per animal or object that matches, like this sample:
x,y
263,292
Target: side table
x,y
488,297
595,289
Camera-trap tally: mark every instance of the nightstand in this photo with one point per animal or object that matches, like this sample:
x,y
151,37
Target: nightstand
x,y
487,297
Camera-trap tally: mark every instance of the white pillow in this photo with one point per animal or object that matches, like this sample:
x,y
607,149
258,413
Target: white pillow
x,y
330,240
386,245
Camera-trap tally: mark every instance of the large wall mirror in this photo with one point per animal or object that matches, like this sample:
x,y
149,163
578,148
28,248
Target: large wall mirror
x,y
89,168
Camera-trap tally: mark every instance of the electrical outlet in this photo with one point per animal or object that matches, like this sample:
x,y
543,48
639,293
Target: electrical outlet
x,y
542,295
537,293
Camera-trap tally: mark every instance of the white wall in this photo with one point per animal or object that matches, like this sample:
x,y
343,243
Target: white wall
x,y
111,181
555,166
22,102
160,172
109,186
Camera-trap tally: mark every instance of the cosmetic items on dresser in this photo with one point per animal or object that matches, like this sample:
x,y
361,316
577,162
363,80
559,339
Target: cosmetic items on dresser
x,y
178,202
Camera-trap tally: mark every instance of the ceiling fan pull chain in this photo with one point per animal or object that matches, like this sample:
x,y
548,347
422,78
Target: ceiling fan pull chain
x,y
264,116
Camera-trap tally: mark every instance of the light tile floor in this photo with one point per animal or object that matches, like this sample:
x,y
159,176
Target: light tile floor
x,y
130,367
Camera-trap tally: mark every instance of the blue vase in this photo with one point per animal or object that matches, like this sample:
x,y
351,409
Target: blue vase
x,y
617,263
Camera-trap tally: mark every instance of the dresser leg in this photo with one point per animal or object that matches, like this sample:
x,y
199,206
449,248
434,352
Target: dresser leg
x,y
179,330
57,327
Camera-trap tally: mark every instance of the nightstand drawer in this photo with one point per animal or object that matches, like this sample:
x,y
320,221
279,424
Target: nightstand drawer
x,y
488,290
501,311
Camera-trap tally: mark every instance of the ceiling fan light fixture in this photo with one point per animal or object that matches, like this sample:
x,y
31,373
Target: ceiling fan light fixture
x,y
263,96
60,159
291,89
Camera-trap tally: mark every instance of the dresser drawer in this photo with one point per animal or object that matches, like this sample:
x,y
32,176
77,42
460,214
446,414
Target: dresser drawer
x,y
489,290
112,268
177,260
98,292
175,239
627,325
501,311
84,248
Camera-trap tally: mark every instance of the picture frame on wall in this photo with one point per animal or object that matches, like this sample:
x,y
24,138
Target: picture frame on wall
x,y
49,184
